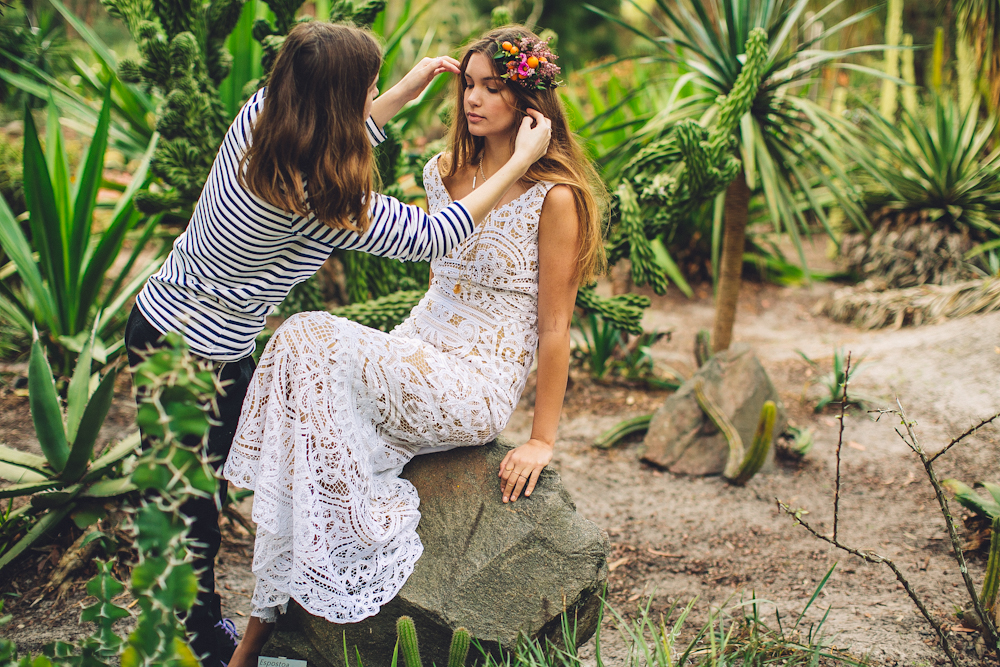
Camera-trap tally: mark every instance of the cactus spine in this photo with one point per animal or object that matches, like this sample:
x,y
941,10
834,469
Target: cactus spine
x,y
991,582
459,650
761,445
406,632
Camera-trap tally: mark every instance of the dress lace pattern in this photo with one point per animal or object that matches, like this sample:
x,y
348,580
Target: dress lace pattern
x,y
335,411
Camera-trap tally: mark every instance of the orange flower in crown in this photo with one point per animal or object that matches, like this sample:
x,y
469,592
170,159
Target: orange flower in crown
x,y
529,62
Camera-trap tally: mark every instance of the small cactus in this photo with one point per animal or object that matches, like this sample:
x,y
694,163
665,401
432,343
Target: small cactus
x,y
406,632
702,347
991,582
757,454
459,650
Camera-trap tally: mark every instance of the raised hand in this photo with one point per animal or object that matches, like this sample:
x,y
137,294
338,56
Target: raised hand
x,y
411,85
533,136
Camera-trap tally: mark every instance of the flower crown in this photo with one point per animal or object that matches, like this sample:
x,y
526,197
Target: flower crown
x,y
529,62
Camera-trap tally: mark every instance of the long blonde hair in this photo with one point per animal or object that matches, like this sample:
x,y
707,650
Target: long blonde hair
x,y
565,162
312,125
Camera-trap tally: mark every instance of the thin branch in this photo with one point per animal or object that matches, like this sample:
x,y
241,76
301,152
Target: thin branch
x,y
840,444
956,542
872,557
964,436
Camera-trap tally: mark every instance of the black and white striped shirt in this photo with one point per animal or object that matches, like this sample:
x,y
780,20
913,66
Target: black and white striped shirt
x,y
240,256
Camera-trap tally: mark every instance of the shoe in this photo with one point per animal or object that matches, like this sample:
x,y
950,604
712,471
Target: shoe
x,y
227,637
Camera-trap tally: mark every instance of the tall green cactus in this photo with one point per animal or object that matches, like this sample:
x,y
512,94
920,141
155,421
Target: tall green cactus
x,y
459,649
406,633
182,55
761,445
670,178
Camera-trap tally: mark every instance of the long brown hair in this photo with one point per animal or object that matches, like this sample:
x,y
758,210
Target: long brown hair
x,y
564,163
311,130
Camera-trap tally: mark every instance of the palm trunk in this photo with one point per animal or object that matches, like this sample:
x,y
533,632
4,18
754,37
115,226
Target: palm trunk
x,y
731,263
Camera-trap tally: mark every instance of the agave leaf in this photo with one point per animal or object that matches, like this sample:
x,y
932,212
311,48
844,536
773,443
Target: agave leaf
x,y
112,456
90,426
87,183
971,500
42,526
108,488
28,488
24,460
58,498
45,412
78,393
20,474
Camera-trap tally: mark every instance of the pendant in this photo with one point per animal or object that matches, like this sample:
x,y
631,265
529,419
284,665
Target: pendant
x,y
458,288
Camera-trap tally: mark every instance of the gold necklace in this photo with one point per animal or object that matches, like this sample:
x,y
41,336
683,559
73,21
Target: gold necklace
x,y
479,236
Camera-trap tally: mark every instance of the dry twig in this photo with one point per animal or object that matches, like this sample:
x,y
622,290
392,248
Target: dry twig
x,y
840,442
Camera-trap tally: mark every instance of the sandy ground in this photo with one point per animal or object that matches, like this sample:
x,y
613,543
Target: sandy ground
x,y
723,541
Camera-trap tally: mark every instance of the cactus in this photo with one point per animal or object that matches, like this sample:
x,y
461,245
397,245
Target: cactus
x,y
406,633
702,347
459,649
721,421
991,581
622,430
761,445
672,177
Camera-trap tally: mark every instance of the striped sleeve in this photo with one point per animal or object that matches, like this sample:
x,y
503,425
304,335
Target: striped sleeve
x,y
375,133
407,232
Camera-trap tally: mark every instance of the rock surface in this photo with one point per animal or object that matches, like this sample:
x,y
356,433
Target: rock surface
x,y
498,570
682,440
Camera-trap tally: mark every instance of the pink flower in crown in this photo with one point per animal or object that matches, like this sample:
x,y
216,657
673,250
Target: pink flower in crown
x,y
522,68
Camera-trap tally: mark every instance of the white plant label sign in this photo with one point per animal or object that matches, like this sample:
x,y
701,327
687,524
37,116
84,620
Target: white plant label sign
x,y
264,661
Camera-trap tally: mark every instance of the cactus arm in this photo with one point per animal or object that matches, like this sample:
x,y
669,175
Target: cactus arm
x,y
406,632
991,582
625,428
459,649
761,445
721,421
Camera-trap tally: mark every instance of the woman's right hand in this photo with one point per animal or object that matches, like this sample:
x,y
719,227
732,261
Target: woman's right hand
x,y
532,143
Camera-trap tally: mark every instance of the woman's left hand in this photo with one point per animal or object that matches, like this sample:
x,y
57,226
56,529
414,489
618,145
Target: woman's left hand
x,y
521,466
423,73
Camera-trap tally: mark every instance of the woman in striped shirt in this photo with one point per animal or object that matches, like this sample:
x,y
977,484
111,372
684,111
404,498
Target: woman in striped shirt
x,y
291,183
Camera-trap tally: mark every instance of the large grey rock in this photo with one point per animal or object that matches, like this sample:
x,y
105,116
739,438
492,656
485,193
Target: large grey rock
x,y
680,437
498,570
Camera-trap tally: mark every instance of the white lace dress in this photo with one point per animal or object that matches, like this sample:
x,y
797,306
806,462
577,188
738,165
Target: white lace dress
x,y
335,411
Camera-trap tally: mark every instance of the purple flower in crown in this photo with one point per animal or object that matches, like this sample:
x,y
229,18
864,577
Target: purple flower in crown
x,y
529,62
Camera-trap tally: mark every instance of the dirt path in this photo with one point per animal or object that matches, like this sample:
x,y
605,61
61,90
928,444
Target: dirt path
x,y
724,541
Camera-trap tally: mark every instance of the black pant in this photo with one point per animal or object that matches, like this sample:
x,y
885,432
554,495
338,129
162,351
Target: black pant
x,y
200,623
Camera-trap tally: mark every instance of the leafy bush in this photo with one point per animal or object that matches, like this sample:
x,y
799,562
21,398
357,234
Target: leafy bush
x,y
64,289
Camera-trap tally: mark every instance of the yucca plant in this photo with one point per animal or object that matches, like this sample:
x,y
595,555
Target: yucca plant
x,y
938,173
785,141
63,286
66,480
834,381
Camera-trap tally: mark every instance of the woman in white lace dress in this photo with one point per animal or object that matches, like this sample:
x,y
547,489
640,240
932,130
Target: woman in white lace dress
x,y
335,409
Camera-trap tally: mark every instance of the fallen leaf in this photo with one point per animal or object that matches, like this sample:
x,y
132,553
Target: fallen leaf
x,y
240,613
856,445
617,564
634,597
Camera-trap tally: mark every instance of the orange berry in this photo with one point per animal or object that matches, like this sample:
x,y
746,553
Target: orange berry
x,y
514,76
511,65
507,46
543,59
514,50
532,62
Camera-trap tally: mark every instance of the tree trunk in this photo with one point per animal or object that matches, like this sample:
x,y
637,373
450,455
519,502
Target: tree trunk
x,y
731,263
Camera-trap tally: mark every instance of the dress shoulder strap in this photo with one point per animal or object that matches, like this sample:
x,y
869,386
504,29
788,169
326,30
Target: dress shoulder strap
x,y
437,194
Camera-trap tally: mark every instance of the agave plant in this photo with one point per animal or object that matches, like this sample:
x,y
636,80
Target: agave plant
x,y
785,141
66,480
940,173
63,286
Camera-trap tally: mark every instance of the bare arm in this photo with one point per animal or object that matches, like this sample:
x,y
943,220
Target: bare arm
x,y
558,236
